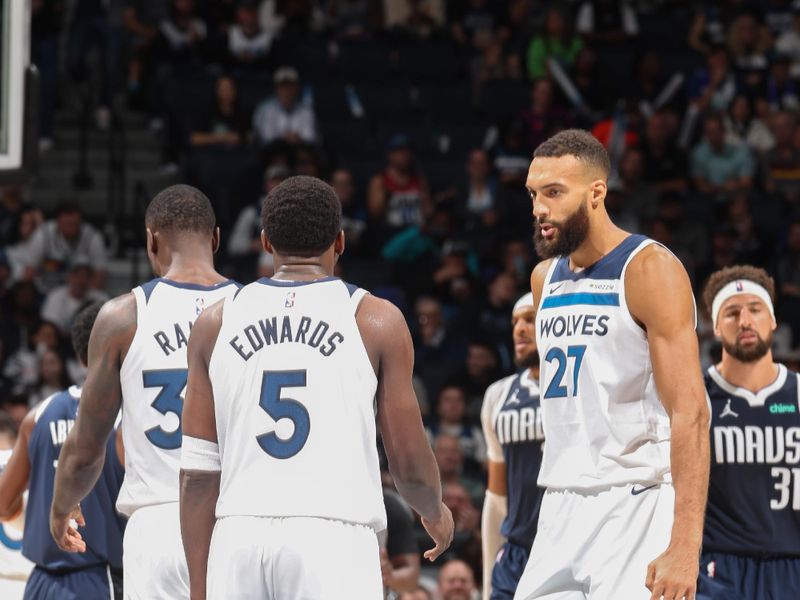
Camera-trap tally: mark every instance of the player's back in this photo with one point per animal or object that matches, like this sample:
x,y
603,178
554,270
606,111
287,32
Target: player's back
x,y
754,491
294,394
603,420
153,378
104,528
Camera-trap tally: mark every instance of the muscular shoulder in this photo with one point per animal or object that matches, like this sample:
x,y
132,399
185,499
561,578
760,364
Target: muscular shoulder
x,y
206,330
657,286
383,330
115,325
537,279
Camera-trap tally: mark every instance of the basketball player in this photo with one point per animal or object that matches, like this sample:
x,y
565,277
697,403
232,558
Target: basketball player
x,y
751,543
624,411
137,358
96,573
512,426
14,568
279,455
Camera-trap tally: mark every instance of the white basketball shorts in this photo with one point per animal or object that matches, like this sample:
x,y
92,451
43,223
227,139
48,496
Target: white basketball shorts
x,y
293,558
153,562
12,589
597,546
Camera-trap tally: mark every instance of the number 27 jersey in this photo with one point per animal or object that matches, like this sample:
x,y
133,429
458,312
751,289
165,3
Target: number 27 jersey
x,y
153,379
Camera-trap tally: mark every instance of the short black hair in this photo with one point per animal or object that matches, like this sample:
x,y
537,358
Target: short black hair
x,y
68,207
302,216
578,143
181,208
82,328
723,277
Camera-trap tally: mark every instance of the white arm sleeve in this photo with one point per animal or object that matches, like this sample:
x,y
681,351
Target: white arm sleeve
x,y
491,399
494,511
199,455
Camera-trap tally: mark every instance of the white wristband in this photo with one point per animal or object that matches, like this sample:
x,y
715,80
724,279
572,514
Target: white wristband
x,y
199,455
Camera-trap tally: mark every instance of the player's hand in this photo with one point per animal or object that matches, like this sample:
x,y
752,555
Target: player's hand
x,y
673,575
64,530
441,531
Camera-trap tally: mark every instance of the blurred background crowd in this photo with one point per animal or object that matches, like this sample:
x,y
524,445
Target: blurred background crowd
x,y
423,115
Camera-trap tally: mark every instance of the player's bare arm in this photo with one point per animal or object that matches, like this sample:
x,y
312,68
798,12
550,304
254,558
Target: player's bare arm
x,y
14,478
199,490
84,451
411,460
669,320
538,275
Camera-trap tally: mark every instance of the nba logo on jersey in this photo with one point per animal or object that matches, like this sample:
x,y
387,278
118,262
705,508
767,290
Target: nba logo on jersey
x,y
199,305
289,300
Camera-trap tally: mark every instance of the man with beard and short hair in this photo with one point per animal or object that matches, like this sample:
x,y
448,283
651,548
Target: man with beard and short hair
x,y
751,542
456,581
512,425
626,461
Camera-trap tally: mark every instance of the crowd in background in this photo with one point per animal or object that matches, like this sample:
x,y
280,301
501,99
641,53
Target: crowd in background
x,y
423,115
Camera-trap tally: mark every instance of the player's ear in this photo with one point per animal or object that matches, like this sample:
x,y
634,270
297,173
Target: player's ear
x,y
265,243
215,240
152,242
339,244
599,189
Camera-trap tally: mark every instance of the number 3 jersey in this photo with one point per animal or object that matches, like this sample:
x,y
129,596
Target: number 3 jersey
x,y
754,489
153,378
294,398
603,421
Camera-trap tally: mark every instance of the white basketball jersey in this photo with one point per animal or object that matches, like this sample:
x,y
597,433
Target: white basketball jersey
x,y
603,420
294,396
153,378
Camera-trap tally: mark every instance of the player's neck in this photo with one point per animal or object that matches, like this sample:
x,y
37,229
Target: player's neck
x,y
189,267
751,376
601,239
301,270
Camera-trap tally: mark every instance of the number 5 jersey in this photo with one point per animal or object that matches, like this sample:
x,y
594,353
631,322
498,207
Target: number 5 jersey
x,y
603,421
153,378
294,398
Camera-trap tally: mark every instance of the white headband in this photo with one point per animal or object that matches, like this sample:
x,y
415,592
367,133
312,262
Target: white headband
x,y
525,302
734,288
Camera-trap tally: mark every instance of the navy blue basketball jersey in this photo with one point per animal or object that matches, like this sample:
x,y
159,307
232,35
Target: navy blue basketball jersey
x,y
517,422
104,528
754,491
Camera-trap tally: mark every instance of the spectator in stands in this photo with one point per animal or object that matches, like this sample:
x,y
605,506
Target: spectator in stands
x,y
653,87
636,198
181,35
748,44
398,196
23,365
65,238
711,23
557,41
420,593
479,192
788,44
65,301
224,124
244,245
420,18
689,238
11,206
743,127
723,251
626,118
466,517
451,419
456,581
543,117
354,213
94,25
141,19
352,19
476,24
399,550
52,377
590,83
247,45
46,19
607,21
718,168
782,89
782,163
450,458
493,318
17,253
665,165
438,353
285,117
714,86
480,370
512,158
789,281
750,247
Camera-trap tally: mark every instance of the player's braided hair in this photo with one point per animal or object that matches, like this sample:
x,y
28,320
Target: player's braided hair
x,y
82,330
578,143
302,216
181,208
723,277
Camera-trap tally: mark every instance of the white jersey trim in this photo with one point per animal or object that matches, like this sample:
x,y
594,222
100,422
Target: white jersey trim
x,y
756,399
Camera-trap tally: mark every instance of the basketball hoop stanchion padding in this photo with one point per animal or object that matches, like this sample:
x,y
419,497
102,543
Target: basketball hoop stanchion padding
x,y
30,133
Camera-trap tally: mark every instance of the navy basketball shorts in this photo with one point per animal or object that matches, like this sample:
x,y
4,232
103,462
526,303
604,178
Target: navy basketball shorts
x,y
91,583
732,577
508,568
